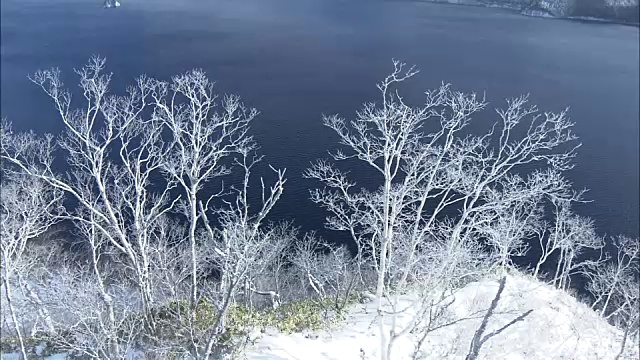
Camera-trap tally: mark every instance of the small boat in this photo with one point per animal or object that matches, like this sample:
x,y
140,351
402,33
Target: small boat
x,y
111,4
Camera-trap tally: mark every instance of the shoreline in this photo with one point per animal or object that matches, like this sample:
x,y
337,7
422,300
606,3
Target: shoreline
x,y
541,13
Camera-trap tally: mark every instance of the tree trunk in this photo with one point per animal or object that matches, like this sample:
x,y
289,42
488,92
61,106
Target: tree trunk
x,y
14,318
606,303
386,239
113,348
147,301
558,266
624,338
193,296
42,310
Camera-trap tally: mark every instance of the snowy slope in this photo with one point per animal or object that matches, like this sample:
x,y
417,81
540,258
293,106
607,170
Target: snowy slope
x,y
558,328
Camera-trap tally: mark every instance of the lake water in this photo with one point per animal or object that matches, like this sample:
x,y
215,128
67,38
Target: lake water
x,y
295,60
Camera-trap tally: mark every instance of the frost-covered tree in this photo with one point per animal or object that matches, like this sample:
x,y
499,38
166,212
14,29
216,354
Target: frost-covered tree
x,y
572,241
509,229
112,150
427,164
28,208
621,3
615,285
555,7
140,157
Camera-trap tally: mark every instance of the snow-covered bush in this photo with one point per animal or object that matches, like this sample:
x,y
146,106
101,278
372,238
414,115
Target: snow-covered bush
x,y
554,7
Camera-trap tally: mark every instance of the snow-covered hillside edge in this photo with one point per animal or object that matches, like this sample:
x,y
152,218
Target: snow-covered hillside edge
x,y
559,327
623,12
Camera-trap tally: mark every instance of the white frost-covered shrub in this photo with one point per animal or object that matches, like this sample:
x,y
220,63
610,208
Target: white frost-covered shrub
x,y
555,7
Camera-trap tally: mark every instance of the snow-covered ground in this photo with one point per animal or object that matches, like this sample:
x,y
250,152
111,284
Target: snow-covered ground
x,y
559,327
38,351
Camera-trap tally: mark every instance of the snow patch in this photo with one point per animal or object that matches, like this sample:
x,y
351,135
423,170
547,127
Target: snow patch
x,y
588,18
558,327
17,356
537,13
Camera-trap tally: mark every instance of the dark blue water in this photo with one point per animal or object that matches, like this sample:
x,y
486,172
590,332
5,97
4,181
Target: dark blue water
x,y
297,59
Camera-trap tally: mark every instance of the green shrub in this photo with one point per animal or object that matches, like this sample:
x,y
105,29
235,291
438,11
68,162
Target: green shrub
x,y
168,317
295,316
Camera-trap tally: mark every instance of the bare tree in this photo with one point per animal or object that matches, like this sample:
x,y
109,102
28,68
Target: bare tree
x,y
326,269
238,246
232,252
37,261
28,208
507,229
425,174
169,260
263,275
576,236
550,244
628,311
97,320
615,287
607,277
112,152
574,242
86,297
123,173
96,243
201,140
305,259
